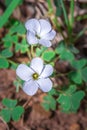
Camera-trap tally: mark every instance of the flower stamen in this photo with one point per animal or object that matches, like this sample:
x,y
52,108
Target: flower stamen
x,y
38,37
35,76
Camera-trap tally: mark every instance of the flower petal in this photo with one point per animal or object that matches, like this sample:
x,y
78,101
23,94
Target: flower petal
x,y
45,84
45,27
48,70
30,87
50,35
24,72
37,65
33,25
31,38
45,43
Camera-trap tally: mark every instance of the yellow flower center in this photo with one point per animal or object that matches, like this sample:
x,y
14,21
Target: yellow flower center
x,y
35,76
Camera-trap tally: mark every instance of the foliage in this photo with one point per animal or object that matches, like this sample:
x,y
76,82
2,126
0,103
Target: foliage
x,y
68,97
49,101
11,110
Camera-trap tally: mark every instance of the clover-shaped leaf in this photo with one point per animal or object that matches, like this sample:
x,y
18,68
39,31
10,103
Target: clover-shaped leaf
x,y
4,63
39,51
22,47
76,77
6,53
80,72
48,55
11,110
6,114
49,103
17,112
78,64
64,53
18,28
9,103
70,99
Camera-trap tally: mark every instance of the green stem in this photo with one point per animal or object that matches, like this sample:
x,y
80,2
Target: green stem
x,y
29,54
65,13
12,62
71,20
80,34
50,6
32,51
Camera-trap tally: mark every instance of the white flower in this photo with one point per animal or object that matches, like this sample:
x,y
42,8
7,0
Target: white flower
x,y
39,31
36,76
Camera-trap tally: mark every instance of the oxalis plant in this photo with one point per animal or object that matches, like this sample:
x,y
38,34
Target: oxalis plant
x,y
40,71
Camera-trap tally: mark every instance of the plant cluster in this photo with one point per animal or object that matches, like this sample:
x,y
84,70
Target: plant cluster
x,y
37,45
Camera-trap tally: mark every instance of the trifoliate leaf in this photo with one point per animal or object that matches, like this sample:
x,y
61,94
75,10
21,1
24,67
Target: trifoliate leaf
x,y
48,55
18,28
39,51
67,55
9,38
11,110
22,47
79,63
64,53
6,53
76,77
49,103
70,99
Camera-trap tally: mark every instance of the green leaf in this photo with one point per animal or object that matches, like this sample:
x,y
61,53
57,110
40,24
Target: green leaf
x,y
73,49
67,55
70,99
7,44
4,63
22,47
45,106
58,7
48,55
39,51
84,74
11,39
49,103
60,48
6,114
9,103
11,110
79,64
53,92
76,77
64,52
4,18
17,112
6,53
18,28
